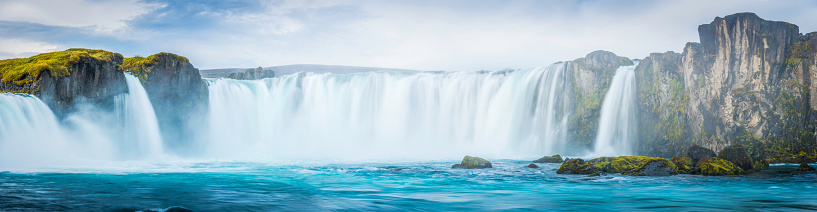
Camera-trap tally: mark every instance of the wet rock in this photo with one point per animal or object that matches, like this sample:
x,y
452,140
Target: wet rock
x,y
577,166
533,166
457,166
656,167
805,167
738,155
718,166
550,159
475,163
698,153
683,165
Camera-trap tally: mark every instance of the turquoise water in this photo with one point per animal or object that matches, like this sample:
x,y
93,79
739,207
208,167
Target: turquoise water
x,y
428,186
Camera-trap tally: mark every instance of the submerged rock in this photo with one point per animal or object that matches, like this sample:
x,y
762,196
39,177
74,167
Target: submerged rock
x,y
533,166
698,153
805,167
718,166
550,159
738,155
469,162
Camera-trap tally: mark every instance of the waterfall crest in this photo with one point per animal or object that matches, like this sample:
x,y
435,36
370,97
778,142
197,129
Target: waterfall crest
x,y
513,113
617,125
139,127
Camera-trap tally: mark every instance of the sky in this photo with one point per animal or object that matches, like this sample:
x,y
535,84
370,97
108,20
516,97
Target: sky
x,y
451,35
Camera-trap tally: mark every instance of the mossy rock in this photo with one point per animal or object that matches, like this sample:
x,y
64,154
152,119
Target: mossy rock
x,y
469,162
684,165
718,166
805,167
550,159
533,166
759,164
738,155
577,166
698,153
20,71
140,67
627,165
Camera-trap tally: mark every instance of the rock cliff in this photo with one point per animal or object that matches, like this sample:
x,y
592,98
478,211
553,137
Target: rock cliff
x,y
178,94
252,74
747,82
64,79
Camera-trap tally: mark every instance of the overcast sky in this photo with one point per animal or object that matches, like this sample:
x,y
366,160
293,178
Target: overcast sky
x,y
424,35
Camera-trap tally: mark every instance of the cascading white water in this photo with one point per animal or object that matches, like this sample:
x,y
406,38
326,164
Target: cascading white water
x,y
139,127
31,136
617,125
514,114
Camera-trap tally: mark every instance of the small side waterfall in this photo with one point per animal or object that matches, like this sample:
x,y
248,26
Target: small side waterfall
x,y
514,113
139,127
617,125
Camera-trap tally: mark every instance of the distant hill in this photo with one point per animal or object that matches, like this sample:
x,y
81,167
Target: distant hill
x,y
290,69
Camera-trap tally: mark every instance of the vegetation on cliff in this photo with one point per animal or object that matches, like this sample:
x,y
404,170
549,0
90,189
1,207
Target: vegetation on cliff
x,y
141,67
20,71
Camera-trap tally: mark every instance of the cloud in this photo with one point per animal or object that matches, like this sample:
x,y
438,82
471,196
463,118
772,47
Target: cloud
x,y
454,35
23,48
100,16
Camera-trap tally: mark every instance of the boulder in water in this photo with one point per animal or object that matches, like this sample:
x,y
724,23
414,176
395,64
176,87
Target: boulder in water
x,y
805,167
533,166
738,155
627,165
550,159
577,166
698,153
457,166
469,162
718,166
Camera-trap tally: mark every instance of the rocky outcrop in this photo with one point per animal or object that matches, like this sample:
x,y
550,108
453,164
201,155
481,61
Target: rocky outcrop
x,y
469,162
626,165
65,79
178,94
738,155
591,77
717,166
533,166
804,167
697,153
550,159
252,74
747,82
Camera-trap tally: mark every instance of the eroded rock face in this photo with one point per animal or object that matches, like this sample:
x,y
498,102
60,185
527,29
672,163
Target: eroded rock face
x,y
662,127
178,94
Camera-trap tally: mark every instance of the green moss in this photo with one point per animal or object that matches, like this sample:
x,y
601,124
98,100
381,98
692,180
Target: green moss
x,y
717,166
627,165
21,71
683,164
475,162
140,67
798,50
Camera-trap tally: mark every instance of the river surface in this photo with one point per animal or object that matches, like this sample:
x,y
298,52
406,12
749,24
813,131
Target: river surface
x,y
425,186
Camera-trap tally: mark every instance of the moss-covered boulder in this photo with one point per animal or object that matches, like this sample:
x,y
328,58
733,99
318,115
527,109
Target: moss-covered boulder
x,y
533,166
718,166
469,162
805,167
627,165
698,153
738,155
684,165
550,159
577,166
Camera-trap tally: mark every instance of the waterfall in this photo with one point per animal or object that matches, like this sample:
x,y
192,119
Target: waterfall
x,y
139,127
31,135
617,125
511,113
